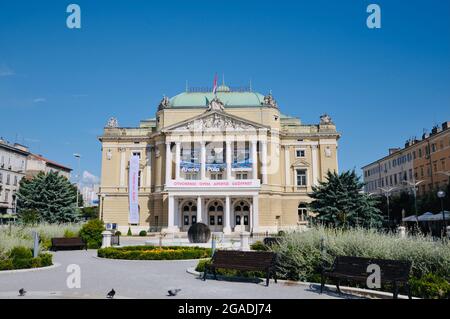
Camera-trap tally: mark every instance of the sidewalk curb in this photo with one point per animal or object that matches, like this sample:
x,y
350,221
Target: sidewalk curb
x,y
14,271
358,292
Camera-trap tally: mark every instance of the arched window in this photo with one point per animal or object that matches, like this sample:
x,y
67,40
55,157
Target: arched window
x,y
302,212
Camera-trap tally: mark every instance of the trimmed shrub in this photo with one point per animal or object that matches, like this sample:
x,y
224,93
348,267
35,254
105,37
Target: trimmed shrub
x,y
69,234
46,259
91,233
20,253
154,253
21,259
142,233
430,286
6,264
129,233
258,245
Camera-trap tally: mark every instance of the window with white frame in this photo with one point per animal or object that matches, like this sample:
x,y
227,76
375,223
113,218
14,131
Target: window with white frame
x,y
241,175
215,176
191,176
300,152
302,212
301,177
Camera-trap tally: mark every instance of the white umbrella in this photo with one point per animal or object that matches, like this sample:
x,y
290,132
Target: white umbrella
x,y
411,218
425,217
438,216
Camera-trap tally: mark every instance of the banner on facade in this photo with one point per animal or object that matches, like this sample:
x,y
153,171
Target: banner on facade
x,y
133,217
245,165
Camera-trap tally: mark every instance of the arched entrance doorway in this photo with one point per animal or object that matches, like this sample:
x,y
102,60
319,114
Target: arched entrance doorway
x,y
215,215
188,210
241,210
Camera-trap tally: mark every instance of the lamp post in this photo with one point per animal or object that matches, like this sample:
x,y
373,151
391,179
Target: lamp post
x,y
441,195
78,156
387,192
414,185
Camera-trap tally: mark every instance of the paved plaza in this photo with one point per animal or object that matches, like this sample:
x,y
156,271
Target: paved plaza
x,y
139,279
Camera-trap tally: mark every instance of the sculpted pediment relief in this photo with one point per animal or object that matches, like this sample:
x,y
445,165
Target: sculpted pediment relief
x,y
300,163
216,121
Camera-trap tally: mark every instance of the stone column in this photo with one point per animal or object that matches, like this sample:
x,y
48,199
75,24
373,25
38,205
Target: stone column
x,y
315,165
227,228
244,241
203,160
254,159
168,163
228,159
287,164
171,213
199,209
106,239
148,179
177,160
255,211
264,162
122,167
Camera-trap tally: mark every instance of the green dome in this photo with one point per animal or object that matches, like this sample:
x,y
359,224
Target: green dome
x,y
228,98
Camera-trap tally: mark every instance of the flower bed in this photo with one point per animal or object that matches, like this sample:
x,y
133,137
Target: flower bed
x,y
154,253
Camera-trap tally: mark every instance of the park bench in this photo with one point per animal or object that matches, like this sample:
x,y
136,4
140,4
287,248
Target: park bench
x,y
243,260
68,243
356,269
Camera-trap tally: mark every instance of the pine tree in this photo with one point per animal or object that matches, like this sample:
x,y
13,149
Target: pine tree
x,y
51,195
340,201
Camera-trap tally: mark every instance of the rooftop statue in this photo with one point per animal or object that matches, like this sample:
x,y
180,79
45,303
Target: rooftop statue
x,y
215,105
112,123
164,103
325,119
270,101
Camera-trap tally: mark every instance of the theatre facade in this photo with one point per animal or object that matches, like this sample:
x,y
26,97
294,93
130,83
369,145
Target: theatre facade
x,y
230,160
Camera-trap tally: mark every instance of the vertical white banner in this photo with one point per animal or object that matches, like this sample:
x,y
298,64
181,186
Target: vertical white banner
x,y
133,217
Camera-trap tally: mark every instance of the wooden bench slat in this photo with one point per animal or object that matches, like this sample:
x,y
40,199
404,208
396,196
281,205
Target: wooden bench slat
x,y
244,260
355,268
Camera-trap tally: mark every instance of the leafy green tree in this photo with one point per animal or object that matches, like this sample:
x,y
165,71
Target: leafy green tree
x,y
51,195
340,201
90,212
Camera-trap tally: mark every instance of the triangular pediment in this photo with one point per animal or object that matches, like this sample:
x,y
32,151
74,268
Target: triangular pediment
x,y
300,163
215,121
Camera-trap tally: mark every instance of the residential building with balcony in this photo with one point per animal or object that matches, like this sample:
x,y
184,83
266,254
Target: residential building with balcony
x,y
424,163
13,161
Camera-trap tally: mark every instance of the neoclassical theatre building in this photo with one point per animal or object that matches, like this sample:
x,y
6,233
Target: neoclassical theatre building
x,y
229,159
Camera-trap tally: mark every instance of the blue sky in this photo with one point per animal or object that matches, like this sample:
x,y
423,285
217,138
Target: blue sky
x,y
59,86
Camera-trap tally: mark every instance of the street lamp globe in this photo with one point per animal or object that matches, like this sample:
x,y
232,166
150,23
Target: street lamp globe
x,y
441,194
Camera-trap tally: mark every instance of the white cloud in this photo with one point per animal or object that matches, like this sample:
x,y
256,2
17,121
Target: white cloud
x,y
6,71
89,178
39,100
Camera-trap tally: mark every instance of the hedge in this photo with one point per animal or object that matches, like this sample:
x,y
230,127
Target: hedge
x,y
154,252
22,258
